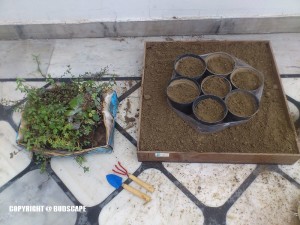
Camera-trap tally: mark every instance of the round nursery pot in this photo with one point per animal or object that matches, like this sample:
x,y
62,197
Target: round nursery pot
x,y
246,78
216,85
242,104
220,63
209,109
190,65
181,92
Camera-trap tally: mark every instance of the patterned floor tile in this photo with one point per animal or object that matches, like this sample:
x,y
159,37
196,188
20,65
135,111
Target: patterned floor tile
x,y
34,189
8,90
294,112
123,86
270,199
128,115
91,188
17,57
17,117
212,184
291,87
292,170
121,57
168,206
12,161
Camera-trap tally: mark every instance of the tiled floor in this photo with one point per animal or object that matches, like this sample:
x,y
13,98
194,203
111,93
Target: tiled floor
x,y
185,193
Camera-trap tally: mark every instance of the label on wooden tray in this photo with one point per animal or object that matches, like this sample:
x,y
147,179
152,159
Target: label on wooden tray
x,y
162,154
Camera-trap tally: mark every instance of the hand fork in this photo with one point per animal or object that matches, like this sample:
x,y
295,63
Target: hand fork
x,y
122,171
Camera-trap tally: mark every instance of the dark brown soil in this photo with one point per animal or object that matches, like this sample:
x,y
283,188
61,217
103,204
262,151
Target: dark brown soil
x,y
216,86
182,92
209,110
246,80
241,104
161,129
99,138
220,65
190,67
129,119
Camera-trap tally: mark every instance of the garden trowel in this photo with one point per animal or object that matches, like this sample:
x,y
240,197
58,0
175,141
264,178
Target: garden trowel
x,y
116,182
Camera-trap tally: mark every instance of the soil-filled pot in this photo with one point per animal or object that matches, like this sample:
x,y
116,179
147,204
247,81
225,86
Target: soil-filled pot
x,y
190,65
209,109
220,63
216,85
181,92
246,78
241,104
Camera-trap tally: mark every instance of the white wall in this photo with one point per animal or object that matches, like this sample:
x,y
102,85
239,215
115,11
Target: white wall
x,y
81,11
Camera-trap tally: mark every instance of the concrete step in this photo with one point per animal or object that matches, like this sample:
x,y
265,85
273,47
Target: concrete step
x,y
152,28
95,18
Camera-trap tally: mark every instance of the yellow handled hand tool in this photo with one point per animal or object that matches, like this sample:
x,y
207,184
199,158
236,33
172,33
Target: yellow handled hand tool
x,y
122,171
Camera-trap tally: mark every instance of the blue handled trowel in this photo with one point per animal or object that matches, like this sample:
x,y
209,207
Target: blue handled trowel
x,y
116,182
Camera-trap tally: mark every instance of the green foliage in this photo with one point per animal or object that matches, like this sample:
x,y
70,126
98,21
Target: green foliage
x,y
65,115
80,160
42,160
60,117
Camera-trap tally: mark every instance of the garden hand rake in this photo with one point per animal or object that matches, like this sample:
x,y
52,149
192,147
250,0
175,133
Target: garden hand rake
x,y
122,171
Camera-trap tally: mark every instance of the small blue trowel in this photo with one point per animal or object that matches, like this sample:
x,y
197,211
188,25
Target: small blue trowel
x,y
116,182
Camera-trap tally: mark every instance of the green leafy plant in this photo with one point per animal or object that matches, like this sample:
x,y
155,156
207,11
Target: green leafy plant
x,y
80,160
63,116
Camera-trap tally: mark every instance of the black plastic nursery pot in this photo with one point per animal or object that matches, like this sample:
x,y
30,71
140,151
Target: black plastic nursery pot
x,y
181,93
220,63
190,66
216,85
209,109
241,104
247,78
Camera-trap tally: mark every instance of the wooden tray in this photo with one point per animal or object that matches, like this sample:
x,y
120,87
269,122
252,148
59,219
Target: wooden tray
x,y
269,137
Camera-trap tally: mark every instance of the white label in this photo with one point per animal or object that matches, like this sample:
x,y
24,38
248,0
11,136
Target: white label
x,y
161,154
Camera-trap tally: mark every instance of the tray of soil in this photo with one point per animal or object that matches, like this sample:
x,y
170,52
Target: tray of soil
x,y
268,137
190,65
